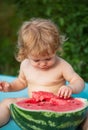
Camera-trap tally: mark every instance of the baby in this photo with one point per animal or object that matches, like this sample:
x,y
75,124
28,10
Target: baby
x,y
41,69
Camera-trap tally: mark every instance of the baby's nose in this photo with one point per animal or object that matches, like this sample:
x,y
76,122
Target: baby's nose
x,y
43,63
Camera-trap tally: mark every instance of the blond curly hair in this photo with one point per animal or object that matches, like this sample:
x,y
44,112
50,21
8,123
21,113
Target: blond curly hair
x,y
37,37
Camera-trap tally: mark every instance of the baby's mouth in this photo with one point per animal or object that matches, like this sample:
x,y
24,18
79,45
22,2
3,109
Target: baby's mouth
x,y
45,67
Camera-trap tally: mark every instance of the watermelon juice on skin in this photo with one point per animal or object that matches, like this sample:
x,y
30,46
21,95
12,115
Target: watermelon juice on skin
x,y
45,111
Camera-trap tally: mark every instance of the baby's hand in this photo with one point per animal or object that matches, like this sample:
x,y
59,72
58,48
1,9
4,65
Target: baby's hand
x,y
4,86
65,91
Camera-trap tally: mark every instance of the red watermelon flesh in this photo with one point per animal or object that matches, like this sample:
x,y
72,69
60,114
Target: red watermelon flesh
x,y
48,101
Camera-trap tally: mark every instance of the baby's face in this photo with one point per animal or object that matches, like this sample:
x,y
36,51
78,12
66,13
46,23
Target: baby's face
x,y
43,62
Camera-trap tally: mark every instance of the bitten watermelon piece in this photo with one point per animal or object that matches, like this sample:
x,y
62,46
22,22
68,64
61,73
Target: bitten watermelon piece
x,y
40,95
45,111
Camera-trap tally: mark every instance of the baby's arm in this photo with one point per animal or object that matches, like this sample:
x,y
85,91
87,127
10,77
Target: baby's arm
x,y
16,85
76,83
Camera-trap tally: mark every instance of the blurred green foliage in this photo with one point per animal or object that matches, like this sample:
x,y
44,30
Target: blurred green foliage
x,y
71,16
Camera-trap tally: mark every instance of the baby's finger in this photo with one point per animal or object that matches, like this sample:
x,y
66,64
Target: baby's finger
x,y
66,94
69,94
0,88
61,93
6,87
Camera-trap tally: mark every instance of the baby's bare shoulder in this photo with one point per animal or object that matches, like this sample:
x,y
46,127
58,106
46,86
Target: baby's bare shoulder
x,y
62,62
25,63
64,65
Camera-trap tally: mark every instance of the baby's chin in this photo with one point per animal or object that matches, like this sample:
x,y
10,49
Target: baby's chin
x,y
44,68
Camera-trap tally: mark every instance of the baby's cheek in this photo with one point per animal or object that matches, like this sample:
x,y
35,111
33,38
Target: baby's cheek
x,y
51,63
34,64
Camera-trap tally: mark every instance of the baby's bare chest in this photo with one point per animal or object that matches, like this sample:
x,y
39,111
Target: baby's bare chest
x,y
44,77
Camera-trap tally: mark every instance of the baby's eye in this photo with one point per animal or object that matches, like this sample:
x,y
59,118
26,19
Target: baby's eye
x,y
36,60
48,59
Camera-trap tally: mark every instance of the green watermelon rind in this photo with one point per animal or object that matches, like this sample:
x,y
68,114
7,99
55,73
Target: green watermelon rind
x,y
48,120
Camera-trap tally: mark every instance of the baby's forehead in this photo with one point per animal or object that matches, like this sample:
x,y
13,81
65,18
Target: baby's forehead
x,y
42,57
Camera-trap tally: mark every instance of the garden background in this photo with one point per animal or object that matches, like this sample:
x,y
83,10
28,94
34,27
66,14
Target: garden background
x,y
71,16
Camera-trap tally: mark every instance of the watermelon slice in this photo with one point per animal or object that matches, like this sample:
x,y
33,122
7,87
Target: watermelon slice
x,y
45,111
